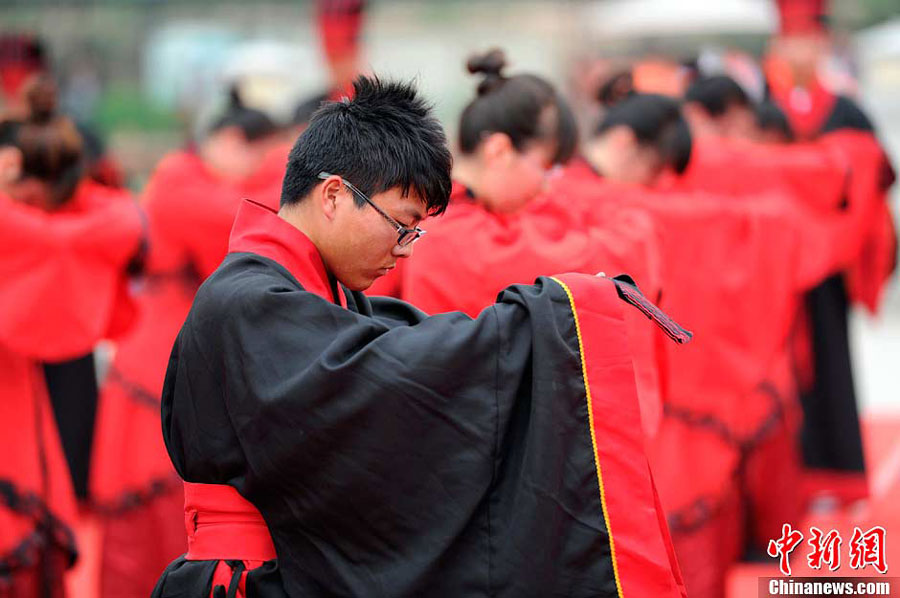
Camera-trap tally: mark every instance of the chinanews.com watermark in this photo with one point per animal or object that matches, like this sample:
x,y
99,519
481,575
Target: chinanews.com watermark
x,y
866,550
769,587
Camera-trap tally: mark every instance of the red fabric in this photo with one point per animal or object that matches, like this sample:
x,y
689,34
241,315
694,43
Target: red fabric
x,y
871,223
812,172
801,16
222,525
190,213
837,185
21,56
470,254
61,276
153,520
340,22
25,583
643,558
107,171
808,180
807,107
257,229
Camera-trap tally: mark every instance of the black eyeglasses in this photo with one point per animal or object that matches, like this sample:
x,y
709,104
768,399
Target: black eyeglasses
x,y
407,236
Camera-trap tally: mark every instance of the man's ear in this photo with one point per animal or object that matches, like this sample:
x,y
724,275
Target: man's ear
x,y
10,164
329,195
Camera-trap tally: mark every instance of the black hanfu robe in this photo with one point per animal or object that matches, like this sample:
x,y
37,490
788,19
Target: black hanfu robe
x,y
393,454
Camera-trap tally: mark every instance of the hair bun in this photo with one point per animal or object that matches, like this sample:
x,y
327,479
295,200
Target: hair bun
x,y
489,64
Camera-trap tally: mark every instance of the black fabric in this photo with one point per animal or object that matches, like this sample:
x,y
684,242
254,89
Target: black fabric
x,y
831,437
846,114
72,386
393,455
184,578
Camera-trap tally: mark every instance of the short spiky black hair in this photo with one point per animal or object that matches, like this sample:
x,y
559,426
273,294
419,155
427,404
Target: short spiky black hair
x,y
383,138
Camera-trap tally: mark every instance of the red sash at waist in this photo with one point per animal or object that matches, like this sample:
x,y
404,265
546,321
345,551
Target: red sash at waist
x,y
223,525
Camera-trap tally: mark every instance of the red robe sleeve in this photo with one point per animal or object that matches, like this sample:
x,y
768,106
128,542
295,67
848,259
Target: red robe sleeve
x,y
870,220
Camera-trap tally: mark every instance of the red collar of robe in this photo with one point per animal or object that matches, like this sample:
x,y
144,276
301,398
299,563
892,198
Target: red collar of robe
x,y
805,120
258,229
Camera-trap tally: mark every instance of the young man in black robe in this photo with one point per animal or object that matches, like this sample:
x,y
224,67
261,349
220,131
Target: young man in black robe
x,y
380,452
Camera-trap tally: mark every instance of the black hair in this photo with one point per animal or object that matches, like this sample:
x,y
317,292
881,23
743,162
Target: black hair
x,y
383,138
656,121
516,106
716,94
769,117
254,124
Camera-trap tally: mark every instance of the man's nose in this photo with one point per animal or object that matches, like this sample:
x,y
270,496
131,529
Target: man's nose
x,y
399,251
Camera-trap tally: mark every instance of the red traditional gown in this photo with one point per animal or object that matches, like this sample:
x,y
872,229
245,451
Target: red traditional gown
x,y
63,289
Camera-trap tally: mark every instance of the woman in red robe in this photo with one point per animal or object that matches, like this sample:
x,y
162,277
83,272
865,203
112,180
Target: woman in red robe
x,y
65,244
191,200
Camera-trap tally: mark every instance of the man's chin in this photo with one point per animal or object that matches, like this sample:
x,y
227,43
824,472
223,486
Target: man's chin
x,y
360,285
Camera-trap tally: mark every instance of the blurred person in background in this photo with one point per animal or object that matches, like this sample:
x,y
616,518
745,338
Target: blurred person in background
x,y
190,200
26,81
832,445
510,135
640,137
718,107
66,244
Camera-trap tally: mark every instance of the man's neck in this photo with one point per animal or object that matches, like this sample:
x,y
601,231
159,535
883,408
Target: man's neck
x,y
297,216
